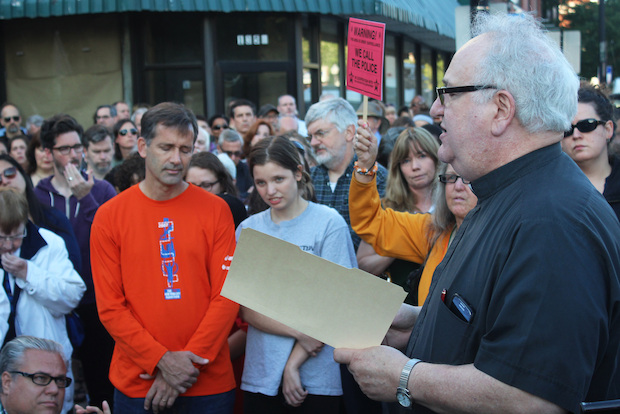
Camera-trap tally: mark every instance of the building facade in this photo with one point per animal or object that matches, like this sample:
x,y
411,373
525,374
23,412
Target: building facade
x,y
72,55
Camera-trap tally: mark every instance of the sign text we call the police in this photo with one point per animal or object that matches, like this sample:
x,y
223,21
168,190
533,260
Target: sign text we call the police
x,y
366,42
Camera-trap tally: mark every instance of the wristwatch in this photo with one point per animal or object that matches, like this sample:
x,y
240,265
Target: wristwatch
x,y
402,393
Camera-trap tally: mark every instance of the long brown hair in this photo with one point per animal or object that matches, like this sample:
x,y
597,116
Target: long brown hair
x,y
398,196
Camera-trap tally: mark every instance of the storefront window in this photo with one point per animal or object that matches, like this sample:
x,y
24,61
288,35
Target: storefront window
x,y
441,68
185,86
172,38
391,94
409,72
330,52
427,75
258,87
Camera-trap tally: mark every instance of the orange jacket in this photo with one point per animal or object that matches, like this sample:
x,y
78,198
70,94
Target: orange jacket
x,y
395,234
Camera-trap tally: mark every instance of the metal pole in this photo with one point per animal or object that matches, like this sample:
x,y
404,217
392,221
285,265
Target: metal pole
x,y
602,42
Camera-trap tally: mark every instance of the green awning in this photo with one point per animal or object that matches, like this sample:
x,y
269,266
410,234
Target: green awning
x,y
433,15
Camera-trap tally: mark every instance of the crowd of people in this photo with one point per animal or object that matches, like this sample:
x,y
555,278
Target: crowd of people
x,y
491,209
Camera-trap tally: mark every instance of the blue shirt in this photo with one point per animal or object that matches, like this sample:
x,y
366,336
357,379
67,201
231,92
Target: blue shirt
x,y
339,198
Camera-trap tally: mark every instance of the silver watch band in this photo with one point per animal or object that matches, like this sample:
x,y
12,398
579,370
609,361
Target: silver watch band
x,y
404,375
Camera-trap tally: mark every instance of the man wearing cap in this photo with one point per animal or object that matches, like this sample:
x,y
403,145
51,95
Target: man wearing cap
x,y
377,122
270,113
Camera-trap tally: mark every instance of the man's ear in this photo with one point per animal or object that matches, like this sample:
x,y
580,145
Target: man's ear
x,y
142,147
7,379
504,113
349,133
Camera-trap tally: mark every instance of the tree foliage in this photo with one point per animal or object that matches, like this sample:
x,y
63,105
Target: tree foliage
x,y
584,17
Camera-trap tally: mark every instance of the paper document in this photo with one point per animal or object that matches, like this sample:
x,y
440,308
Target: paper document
x,y
335,305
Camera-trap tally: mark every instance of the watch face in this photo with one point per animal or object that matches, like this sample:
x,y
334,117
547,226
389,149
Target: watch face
x,y
402,395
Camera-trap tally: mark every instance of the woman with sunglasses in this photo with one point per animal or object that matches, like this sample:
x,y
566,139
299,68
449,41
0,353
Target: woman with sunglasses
x,y
125,140
217,123
286,371
418,238
40,282
587,143
12,175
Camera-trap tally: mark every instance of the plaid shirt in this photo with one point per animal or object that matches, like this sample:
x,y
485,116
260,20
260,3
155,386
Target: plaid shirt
x,y
339,198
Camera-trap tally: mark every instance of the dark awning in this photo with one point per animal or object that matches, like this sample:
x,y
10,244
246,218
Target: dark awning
x,y
430,21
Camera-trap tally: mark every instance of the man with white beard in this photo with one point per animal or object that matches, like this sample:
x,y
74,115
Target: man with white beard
x,y
331,130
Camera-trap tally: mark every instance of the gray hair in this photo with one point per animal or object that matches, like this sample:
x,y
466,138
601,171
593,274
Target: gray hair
x,y
12,354
137,112
337,111
523,60
36,120
229,135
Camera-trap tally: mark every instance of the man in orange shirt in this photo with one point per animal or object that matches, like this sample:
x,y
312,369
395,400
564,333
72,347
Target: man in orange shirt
x,y
159,264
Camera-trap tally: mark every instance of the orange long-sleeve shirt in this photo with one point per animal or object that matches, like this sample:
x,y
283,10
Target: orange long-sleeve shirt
x,y
395,234
158,268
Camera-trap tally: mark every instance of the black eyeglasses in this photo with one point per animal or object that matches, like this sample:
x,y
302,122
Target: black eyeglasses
x,y
131,131
66,149
218,127
9,172
44,379
460,89
585,125
207,185
15,118
451,178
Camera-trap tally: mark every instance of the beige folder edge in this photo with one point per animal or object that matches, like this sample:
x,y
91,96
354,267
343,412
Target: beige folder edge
x,y
335,305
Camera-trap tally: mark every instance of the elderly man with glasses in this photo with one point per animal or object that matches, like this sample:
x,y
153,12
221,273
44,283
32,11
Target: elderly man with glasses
x,y
523,314
34,376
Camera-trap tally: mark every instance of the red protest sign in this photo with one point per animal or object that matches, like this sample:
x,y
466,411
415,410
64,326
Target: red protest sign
x,y
366,41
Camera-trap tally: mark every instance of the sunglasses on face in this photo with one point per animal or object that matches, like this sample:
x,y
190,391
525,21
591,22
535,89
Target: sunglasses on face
x,y
585,125
218,127
9,172
131,131
231,154
15,118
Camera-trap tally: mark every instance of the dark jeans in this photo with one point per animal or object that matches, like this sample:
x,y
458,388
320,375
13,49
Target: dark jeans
x,y
208,404
255,403
96,354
